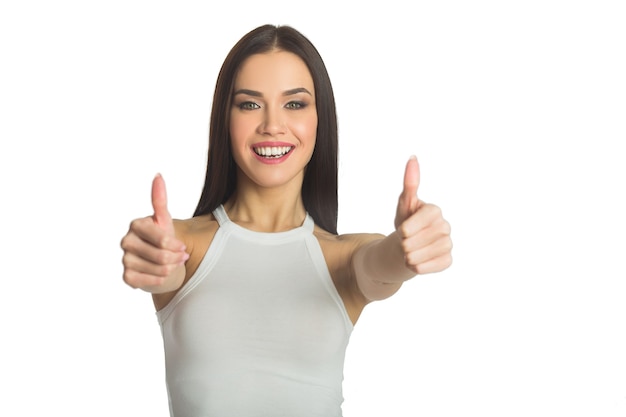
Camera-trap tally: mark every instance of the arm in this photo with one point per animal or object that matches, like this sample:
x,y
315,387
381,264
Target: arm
x,y
421,244
154,258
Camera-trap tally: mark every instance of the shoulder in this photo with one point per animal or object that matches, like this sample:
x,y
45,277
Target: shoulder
x,y
339,252
197,233
195,226
348,243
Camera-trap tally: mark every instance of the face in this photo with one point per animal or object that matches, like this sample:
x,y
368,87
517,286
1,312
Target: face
x,y
273,120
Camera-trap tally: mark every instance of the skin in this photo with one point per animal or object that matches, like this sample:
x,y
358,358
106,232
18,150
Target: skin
x,y
275,101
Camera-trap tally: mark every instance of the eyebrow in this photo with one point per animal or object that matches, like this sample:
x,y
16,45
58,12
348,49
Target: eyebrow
x,y
254,93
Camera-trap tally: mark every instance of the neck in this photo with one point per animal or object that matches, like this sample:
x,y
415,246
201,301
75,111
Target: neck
x,y
276,209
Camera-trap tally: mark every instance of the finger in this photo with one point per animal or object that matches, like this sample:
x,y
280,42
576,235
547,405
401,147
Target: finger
x,y
146,230
133,244
411,180
426,237
438,248
137,264
408,203
434,265
428,215
136,279
159,204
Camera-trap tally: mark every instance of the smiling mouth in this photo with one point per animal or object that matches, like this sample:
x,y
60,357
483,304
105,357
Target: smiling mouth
x,y
272,152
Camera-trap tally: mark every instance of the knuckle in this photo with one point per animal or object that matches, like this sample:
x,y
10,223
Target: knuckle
x,y
409,260
134,224
413,268
162,258
129,242
404,230
447,229
128,278
406,247
435,211
164,241
165,270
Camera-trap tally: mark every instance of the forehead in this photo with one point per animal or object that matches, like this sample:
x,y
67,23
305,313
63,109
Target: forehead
x,y
274,70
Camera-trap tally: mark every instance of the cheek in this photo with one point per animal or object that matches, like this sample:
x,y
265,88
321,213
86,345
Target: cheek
x,y
237,130
306,130
237,139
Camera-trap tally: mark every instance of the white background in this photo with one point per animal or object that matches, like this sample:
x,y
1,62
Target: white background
x,y
516,110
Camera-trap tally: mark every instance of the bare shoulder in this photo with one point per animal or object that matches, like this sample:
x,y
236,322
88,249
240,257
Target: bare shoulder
x,y
338,251
349,242
197,233
194,227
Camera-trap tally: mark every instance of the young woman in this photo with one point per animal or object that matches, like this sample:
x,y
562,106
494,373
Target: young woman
x,y
257,294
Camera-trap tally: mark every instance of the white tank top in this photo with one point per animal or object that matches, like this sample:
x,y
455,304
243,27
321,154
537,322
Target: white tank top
x,y
258,330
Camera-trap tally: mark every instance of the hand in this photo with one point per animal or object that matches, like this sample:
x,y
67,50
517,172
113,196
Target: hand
x,y
424,233
152,253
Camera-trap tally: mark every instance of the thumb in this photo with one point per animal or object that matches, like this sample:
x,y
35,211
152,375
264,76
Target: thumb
x,y
408,203
159,203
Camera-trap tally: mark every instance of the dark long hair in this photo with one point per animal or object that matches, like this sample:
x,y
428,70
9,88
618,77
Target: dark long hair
x,y
319,187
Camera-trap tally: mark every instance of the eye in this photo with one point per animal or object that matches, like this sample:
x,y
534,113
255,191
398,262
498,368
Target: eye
x,y
295,105
248,105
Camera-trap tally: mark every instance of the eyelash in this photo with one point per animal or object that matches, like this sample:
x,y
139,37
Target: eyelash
x,y
296,105
248,105
292,105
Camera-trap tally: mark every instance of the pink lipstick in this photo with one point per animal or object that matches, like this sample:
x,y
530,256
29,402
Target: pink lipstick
x,y
272,152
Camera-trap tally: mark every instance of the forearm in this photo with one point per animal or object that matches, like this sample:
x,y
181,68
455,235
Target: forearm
x,y
380,268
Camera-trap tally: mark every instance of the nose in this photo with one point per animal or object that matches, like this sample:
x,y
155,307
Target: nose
x,y
273,122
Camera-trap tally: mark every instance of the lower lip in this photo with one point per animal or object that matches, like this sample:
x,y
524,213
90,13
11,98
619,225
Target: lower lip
x,y
273,161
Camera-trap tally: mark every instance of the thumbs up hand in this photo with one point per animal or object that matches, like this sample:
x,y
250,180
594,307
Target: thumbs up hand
x,y
153,257
424,233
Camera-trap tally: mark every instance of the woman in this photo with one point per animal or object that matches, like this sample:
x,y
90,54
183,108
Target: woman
x,y
257,294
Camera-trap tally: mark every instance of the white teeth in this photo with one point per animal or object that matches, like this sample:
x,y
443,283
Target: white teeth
x,y
272,151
